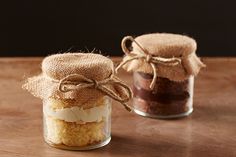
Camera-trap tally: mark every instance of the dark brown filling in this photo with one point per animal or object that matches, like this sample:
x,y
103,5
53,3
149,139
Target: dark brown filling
x,y
161,97
167,98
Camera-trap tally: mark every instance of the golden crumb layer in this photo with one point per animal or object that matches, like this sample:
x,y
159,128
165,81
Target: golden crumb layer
x,y
74,134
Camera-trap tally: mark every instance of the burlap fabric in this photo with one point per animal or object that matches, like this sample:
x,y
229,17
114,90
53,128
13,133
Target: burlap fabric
x,y
166,48
83,77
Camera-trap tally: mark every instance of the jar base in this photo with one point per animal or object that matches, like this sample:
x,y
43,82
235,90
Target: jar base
x,y
61,146
144,114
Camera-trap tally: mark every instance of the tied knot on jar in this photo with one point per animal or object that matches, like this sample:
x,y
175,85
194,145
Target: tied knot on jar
x,y
148,58
66,84
79,82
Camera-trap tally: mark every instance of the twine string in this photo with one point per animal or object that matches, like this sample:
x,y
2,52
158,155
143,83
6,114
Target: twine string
x,y
74,82
148,58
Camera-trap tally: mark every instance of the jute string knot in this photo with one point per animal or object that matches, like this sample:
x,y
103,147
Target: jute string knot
x,y
79,82
148,58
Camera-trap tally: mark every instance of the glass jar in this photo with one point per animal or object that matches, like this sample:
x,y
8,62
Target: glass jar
x,y
68,125
76,89
168,99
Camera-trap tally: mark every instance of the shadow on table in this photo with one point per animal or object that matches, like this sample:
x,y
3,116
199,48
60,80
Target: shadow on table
x,y
128,146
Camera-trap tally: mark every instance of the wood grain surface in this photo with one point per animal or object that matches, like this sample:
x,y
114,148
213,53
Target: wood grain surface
x,y
210,131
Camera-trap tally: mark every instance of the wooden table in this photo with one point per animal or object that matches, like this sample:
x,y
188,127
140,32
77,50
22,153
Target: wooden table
x,y
210,131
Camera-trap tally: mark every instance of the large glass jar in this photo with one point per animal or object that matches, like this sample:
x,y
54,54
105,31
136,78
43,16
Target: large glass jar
x,y
168,99
76,89
69,125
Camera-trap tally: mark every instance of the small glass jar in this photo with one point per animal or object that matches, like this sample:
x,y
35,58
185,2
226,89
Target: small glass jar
x,y
68,125
168,99
164,66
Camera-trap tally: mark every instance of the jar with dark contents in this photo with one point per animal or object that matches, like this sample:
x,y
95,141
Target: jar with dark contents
x,y
163,66
168,99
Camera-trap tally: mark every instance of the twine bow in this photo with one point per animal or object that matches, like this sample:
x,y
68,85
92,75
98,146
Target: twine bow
x,y
77,82
148,58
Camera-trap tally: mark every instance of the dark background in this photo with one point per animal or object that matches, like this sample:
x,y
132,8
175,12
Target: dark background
x,y
38,28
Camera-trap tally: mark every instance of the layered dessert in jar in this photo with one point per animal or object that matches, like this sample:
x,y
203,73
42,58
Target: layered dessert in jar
x,y
164,66
76,90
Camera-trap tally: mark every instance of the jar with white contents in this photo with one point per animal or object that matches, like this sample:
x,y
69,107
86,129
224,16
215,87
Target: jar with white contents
x,y
77,91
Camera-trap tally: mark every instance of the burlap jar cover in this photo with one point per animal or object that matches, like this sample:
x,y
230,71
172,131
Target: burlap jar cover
x,y
82,77
164,55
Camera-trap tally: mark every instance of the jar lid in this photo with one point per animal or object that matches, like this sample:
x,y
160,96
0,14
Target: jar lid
x,y
165,55
82,77
92,66
165,44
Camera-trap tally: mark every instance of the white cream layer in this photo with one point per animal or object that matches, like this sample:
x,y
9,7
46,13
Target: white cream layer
x,y
78,114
